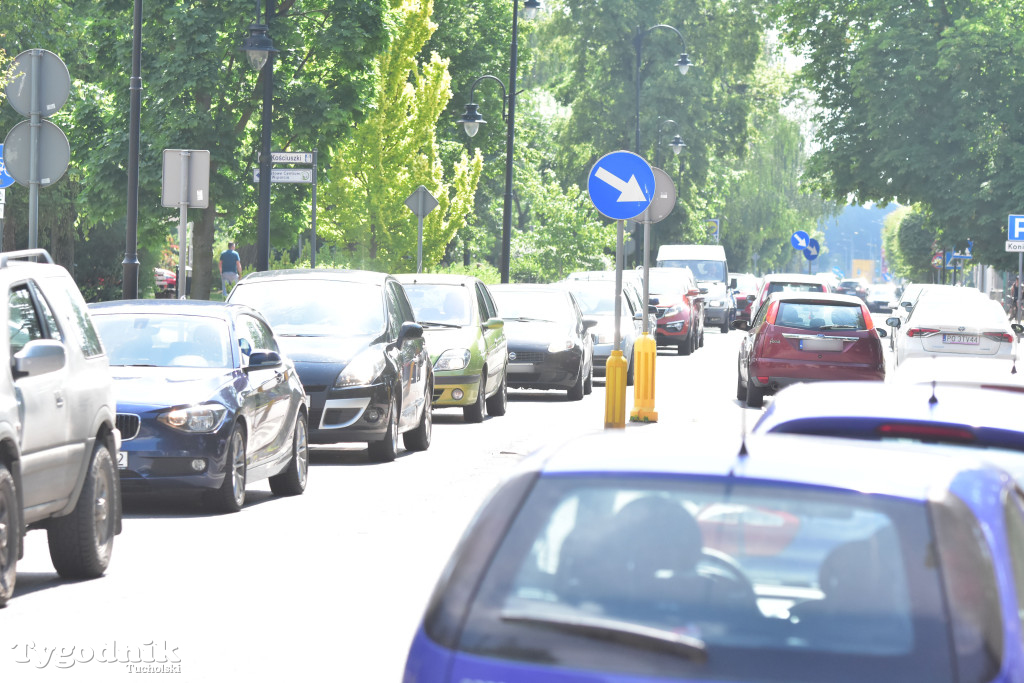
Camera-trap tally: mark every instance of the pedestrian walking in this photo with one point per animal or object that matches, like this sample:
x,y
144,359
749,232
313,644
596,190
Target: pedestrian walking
x,y
230,266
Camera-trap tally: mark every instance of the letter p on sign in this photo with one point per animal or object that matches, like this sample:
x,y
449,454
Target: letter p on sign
x,y
1016,232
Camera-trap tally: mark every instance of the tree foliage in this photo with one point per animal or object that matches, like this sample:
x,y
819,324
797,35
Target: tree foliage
x,y
394,151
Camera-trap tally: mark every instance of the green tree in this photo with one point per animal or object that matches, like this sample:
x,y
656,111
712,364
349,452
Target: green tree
x,y
394,151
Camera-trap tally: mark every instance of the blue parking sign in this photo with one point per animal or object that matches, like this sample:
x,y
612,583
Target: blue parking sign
x,y
1015,232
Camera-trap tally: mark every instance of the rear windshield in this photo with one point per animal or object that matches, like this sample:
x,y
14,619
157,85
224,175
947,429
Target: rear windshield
x,y
703,270
447,304
314,308
716,581
819,316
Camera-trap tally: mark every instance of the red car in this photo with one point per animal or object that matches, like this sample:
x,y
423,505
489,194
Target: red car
x,y
745,287
680,309
786,282
804,336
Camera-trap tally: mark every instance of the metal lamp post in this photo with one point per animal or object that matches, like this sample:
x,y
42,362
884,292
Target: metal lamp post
x,y
676,144
259,49
130,265
472,119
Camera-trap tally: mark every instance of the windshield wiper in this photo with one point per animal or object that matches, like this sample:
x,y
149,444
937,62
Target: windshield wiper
x,y
523,319
431,322
298,334
616,631
838,327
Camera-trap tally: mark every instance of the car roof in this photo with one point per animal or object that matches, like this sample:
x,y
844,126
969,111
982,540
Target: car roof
x,y
815,298
850,465
339,274
527,286
978,371
792,277
435,278
208,309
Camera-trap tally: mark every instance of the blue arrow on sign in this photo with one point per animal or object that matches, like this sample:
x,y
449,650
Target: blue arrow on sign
x,y
5,180
799,239
621,185
811,252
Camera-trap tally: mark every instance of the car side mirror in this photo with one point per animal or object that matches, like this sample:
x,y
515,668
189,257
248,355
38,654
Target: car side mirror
x,y
751,298
653,300
37,358
589,323
494,324
893,321
409,330
740,325
696,292
638,316
652,310
881,333
907,305
261,360
1018,328
733,284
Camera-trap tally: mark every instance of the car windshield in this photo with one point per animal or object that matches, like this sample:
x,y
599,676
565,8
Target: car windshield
x,y
703,270
751,578
315,308
531,304
441,303
594,298
164,341
819,316
795,287
667,281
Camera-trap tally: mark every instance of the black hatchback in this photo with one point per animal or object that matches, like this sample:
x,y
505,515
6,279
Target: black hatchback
x,y
550,345
358,351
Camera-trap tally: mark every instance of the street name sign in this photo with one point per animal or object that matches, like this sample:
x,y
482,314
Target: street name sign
x,y
291,157
1015,245
799,240
621,185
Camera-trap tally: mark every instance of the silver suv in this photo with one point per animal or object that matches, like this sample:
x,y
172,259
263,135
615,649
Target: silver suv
x,y
57,426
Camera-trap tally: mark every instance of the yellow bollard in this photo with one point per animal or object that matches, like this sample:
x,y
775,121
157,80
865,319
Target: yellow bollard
x,y
645,351
615,391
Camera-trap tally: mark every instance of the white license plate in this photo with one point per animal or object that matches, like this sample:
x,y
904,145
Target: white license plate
x,y
122,460
960,339
821,344
521,367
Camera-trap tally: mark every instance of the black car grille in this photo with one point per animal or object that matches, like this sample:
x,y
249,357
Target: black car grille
x,y
128,425
339,416
437,393
529,357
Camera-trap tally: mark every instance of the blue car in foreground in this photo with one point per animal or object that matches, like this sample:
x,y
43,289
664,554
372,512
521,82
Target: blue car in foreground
x,y
205,400
614,559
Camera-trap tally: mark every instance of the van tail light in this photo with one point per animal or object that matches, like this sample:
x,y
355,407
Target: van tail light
x,y
998,336
922,331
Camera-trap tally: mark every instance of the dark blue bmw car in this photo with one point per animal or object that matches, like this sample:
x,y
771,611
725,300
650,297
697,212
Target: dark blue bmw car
x,y
205,399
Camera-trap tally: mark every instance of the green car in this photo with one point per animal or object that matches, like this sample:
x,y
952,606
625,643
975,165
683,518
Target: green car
x,y
466,342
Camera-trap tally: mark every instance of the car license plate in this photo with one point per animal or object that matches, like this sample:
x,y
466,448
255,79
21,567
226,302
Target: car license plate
x,y
520,367
122,460
960,339
823,344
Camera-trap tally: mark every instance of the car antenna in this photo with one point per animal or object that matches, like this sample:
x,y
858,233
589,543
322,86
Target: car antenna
x,y
743,435
933,400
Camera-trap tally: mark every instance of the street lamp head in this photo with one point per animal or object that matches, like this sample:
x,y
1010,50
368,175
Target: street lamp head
x,y
471,119
683,63
677,145
258,46
530,9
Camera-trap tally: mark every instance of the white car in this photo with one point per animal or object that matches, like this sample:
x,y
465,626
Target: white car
x,y
881,297
958,325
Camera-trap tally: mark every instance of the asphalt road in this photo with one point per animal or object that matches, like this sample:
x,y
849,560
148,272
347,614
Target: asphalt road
x,y
329,585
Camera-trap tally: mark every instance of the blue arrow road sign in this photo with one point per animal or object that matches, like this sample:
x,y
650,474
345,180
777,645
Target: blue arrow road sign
x,y
811,252
621,185
5,180
799,239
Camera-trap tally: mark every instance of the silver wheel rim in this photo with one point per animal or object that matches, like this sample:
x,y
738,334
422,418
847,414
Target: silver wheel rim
x,y
301,451
237,468
103,517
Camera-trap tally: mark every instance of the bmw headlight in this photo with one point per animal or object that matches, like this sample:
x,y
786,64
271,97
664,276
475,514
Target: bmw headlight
x,y
453,359
206,417
560,345
361,370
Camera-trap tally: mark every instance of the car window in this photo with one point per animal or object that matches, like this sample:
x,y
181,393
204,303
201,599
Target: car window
x,y
404,307
492,308
763,576
313,308
481,303
261,336
531,304
818,316
23,323
52,326
450,304
762,311
394,320
77,321
166,341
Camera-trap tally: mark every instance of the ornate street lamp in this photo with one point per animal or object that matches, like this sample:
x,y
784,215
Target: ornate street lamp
x,y
471,120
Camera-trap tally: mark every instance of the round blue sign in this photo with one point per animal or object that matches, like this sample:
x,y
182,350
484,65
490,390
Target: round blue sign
x,y
799,239
621,185
5,180
811,252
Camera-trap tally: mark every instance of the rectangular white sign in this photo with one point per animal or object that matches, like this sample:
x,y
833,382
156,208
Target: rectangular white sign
x,y
286,175
291,157
1012,245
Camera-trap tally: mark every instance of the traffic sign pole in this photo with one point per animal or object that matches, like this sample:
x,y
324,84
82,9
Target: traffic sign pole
x,y
615,366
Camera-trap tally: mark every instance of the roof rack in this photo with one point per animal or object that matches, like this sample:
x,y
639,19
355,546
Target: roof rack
x,y
24,255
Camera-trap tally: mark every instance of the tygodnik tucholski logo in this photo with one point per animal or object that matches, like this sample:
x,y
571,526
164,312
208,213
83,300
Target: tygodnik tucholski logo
x,y
149,657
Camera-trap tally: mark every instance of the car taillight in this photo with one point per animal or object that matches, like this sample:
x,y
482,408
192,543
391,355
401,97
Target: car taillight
x,y
926,432
867,317
997,336
773,310
921,331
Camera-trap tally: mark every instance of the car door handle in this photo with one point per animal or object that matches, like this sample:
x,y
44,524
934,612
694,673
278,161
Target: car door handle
x,y
59,399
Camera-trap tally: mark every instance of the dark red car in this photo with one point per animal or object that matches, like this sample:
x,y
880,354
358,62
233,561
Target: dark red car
x,y
680,304
802,337
786,282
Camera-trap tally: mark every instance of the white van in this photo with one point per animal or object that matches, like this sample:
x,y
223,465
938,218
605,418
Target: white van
x,y
709,266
